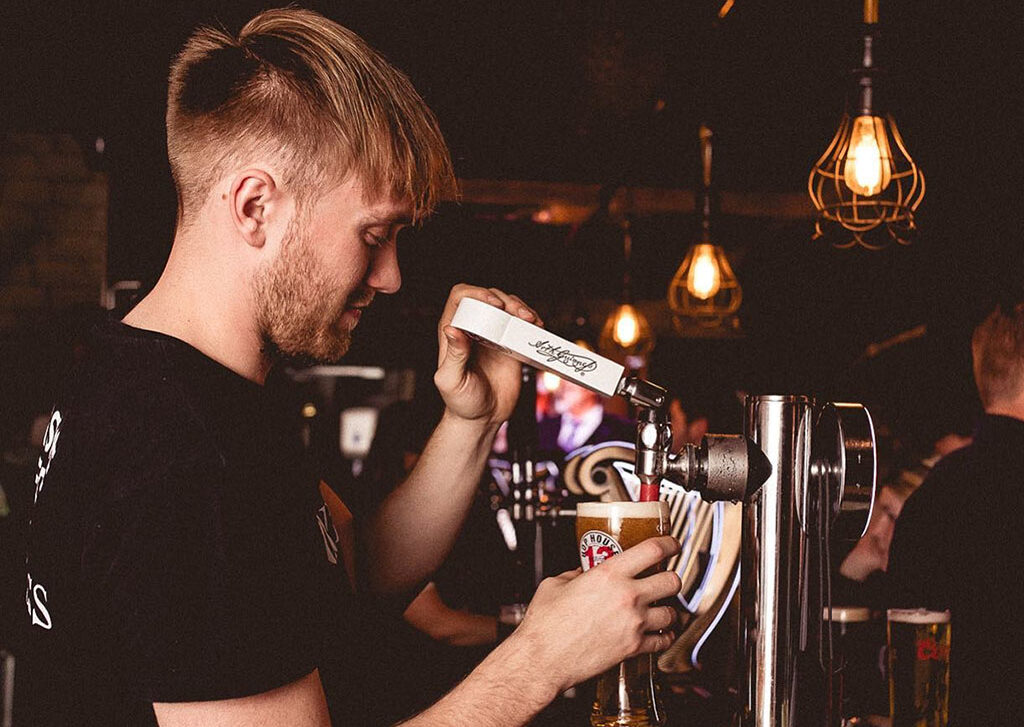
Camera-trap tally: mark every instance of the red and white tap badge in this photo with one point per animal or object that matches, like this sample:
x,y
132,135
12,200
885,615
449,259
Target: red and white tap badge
x,y
597,547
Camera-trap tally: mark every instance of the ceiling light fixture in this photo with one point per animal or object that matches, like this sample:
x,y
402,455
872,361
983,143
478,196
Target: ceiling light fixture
x,y
866,182
704,289
626,335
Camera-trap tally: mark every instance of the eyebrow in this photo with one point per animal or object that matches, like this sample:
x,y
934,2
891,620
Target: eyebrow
x,y
396,219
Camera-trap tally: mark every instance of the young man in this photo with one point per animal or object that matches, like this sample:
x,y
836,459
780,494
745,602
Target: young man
x,y
959,544
182,561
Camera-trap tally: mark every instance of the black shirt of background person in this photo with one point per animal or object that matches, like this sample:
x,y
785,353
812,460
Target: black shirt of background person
x,y
179,549
959,544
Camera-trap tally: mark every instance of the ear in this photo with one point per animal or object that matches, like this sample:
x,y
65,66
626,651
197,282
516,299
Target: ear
x,y
698,428
253,195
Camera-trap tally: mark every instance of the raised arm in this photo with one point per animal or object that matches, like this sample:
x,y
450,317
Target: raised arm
x,y
415,527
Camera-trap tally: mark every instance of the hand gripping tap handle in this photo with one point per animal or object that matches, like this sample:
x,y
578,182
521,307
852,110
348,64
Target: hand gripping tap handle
x,y
723,467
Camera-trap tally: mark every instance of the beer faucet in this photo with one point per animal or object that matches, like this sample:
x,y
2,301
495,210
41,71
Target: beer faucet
x,y
721,467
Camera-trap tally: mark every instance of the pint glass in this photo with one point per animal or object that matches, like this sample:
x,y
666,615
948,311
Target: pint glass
x,y
627,694
858,681
918,667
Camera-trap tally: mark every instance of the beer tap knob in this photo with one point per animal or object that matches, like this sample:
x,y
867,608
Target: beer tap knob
x,y
523,489
725,467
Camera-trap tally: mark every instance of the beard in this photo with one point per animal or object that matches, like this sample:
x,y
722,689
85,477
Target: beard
x,y
298,312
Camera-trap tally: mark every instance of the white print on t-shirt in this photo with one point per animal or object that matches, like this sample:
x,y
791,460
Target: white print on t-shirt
x,y
35,599
327,530
49,451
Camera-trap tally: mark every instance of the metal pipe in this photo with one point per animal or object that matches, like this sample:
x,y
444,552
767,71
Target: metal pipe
x,y
773,556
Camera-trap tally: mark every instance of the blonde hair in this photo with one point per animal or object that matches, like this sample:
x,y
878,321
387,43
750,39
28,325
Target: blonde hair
x,y
998,348
312,96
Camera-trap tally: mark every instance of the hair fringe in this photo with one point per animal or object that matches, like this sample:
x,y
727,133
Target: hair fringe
x,y
318,96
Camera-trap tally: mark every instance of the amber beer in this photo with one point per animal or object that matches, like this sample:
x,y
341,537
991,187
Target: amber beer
x,y
919,643
626,694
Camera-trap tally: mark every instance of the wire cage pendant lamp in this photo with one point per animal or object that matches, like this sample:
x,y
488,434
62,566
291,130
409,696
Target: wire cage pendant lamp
x,y
866,187
704,291
626,334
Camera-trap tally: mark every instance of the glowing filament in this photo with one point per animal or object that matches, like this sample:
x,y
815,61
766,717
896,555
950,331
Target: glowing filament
x,y
868,167
627,327
705,277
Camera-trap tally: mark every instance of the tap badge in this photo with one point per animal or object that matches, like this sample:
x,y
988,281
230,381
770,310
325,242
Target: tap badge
x,y
556,354
597,547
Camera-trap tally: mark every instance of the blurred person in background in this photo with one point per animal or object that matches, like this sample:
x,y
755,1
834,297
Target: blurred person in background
x,y
958,542
868,560
580,419
451,624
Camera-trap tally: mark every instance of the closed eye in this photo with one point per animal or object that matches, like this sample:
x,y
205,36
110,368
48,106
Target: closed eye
x,y
375,240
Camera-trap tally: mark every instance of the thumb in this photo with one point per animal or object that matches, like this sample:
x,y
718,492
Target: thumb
x,y
455,356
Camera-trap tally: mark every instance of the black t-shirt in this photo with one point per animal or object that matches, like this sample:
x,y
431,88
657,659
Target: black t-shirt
x,y
179,547
959,544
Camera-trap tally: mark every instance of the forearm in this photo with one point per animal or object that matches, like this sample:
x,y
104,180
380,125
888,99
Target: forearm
x,y
429,614
507,689
414,529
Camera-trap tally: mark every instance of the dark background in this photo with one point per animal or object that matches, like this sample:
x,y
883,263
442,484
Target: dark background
x,y
613,93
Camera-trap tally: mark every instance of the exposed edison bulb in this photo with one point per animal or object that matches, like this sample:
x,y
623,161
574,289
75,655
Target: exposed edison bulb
x,y
705,277
627,327
868,167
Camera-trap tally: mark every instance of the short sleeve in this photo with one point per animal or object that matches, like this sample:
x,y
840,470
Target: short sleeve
x,y
205,571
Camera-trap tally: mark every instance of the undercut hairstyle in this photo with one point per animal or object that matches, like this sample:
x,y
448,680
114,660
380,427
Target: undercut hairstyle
x,y
312,97
998,349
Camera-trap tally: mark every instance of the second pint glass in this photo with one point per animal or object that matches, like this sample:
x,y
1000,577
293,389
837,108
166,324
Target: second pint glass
x,y
918,667
627,694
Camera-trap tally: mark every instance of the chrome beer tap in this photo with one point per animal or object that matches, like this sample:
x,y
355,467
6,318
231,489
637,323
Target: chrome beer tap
x,y
721,467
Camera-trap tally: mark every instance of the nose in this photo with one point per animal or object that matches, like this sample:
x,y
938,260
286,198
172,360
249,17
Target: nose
x,y
385,276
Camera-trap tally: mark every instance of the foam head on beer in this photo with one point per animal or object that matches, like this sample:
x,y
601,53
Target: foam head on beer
x,y
918,616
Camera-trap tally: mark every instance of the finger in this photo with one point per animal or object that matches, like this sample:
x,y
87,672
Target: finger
x,y
453,358
644,555
658,586
659,617
456,296
524,311
654,642
514,305
569,575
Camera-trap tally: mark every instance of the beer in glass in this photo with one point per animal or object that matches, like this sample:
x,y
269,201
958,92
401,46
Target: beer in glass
x,y
627,693
918,667
858,682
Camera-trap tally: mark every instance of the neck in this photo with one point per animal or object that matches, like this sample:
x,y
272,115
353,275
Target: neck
x,y
1013,409
207,303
